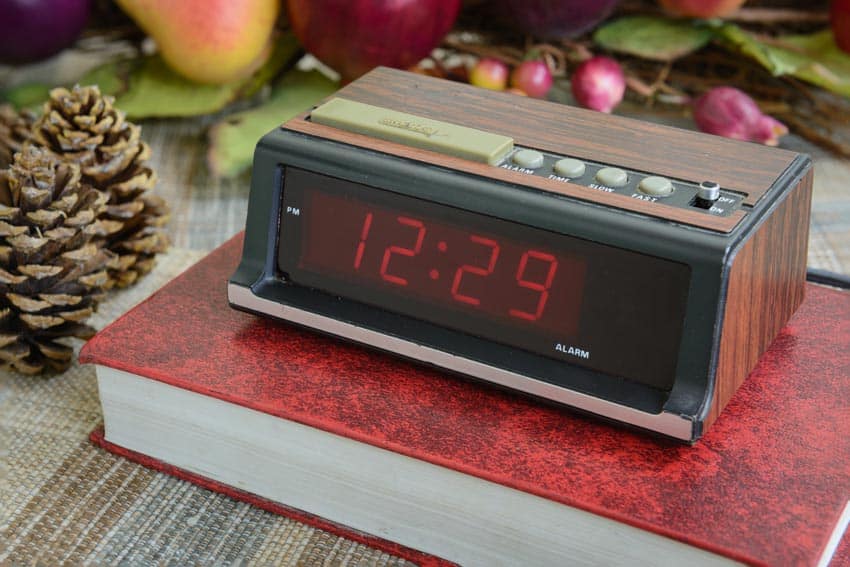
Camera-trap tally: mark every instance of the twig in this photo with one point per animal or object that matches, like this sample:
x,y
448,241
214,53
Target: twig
x,y
778,16
555,58
802,128
510,55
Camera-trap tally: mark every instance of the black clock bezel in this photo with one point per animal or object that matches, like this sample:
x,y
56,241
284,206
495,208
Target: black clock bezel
x,y
622,291
701,250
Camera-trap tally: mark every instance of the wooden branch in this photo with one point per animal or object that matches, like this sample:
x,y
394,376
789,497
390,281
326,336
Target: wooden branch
x,y
778,15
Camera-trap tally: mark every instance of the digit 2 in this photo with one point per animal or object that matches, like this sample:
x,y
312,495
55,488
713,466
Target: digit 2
x,y
410,252
475,270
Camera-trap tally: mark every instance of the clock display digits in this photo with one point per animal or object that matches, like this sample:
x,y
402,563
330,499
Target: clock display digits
x,y
543,288
361,246
409,252
465,269
475,270
447,265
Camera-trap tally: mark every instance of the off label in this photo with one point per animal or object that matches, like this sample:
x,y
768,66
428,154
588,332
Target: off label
x,y
573,351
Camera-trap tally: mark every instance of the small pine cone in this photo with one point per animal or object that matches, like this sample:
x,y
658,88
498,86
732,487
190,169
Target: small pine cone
x,y
52,274
15,130
84,127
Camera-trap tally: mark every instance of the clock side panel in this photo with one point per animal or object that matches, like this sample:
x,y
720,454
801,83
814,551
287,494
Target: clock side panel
x,y
765,287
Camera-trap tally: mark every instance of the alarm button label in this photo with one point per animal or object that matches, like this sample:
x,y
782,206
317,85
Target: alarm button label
x,y
517,168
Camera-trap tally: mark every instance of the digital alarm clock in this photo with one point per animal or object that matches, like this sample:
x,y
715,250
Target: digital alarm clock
x,y
625,269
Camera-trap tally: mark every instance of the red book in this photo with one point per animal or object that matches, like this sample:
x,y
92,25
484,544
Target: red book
x,y
272,413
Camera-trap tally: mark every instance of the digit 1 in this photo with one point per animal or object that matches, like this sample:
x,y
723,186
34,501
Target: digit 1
x,y
364,234
543,288
410,252
475,270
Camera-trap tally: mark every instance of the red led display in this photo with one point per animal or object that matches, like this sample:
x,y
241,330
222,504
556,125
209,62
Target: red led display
x,y
427,259
501,283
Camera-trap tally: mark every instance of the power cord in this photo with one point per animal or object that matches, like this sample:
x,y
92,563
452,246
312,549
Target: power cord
x,y
825,277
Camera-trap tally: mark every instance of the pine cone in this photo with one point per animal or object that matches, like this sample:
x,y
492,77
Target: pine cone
x,y
15,130
51,273
82,126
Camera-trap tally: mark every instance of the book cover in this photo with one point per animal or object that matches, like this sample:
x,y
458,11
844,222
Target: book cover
x,y
766,486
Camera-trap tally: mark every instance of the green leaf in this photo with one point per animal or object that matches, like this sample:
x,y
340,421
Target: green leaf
x,y
154,91
661,39
233,139
157,91
813,58
112,78
27,95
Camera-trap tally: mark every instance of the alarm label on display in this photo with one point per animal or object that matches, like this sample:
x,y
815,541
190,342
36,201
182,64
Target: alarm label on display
x,y
574,351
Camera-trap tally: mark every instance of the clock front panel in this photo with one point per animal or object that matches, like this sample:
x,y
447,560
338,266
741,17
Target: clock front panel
x,y
605,308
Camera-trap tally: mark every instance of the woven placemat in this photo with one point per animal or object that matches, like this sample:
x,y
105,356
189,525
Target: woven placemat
x,y
65,501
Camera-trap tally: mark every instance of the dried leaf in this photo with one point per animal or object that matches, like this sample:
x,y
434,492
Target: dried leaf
x,y
813,58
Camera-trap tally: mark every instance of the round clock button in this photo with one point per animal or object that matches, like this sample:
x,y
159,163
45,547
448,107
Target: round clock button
x,y
656,186
529,159
569,167
612,177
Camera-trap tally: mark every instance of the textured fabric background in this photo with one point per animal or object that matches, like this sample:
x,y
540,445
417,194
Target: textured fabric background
x,y
64,501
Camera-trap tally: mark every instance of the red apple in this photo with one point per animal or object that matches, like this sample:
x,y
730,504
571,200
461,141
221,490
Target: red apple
x,y
553,19
489,73
533,78
353,36
839,15
32,30
702,8
599,84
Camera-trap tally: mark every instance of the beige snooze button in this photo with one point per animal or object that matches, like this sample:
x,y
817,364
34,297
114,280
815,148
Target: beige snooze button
x,y
415,131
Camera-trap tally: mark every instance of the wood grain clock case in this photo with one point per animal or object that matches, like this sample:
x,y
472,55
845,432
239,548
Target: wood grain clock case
x,y
578,257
